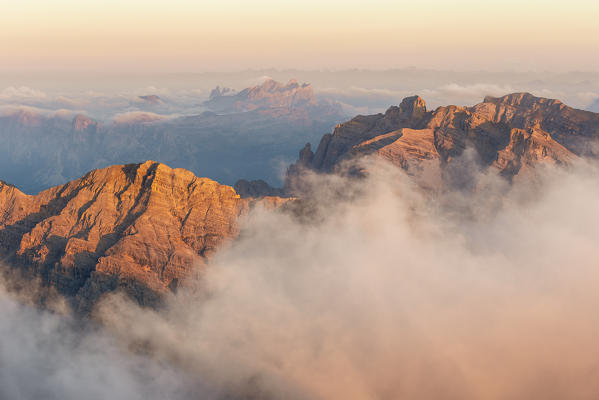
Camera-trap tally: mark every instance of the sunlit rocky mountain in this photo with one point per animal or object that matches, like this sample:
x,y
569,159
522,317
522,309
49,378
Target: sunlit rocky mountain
x,y
508,135
140,228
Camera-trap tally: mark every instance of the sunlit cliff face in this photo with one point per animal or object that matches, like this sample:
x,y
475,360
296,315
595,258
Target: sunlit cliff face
x,y
380,291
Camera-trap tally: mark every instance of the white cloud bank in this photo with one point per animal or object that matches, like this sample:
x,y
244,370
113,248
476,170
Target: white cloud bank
x,y
386,292
22,93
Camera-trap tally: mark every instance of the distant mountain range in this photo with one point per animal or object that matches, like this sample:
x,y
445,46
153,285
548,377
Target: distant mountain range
x,y
269,95
252,134
141,227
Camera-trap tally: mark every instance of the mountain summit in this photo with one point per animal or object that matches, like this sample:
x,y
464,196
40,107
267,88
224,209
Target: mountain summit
x,y
509,134
270,94
137,227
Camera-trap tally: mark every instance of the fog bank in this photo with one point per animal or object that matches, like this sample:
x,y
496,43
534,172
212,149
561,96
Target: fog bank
x,y
383,292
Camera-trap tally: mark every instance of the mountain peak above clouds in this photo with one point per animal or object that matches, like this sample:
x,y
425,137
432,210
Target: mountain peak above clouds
x,y
509,134
151,99
269,94
137,227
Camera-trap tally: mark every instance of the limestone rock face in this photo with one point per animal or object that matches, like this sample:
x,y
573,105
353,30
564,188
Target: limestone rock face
x,y
508,133
140,227
360,129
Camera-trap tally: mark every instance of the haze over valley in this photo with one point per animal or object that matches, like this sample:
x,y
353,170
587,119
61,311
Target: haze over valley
x,y
237,139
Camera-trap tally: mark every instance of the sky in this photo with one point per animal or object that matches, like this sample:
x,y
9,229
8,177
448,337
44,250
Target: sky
x,y
227,35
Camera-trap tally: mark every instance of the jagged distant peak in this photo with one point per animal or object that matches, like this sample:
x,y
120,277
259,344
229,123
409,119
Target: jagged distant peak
x,y
521,99
222,91
151,99
409,107
268,94
274,88
269,85
273,85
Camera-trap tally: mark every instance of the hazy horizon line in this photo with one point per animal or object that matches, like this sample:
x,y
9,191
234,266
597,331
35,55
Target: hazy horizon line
x,y
166,71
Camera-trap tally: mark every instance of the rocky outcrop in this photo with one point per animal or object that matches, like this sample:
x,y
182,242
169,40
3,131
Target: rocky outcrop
x,y
508,134
256,189
139,227
410,114
83,123
218,92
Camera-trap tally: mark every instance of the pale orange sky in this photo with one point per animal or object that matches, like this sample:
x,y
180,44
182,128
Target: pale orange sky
x,y
185,35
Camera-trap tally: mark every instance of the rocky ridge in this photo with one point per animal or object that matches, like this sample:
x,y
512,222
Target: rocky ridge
x,y
509,134
268,95
139,227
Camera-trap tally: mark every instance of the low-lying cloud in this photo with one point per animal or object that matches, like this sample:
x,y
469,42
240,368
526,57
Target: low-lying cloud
x,y
362,100
133,117
21,93
360,92
106,106
382,291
